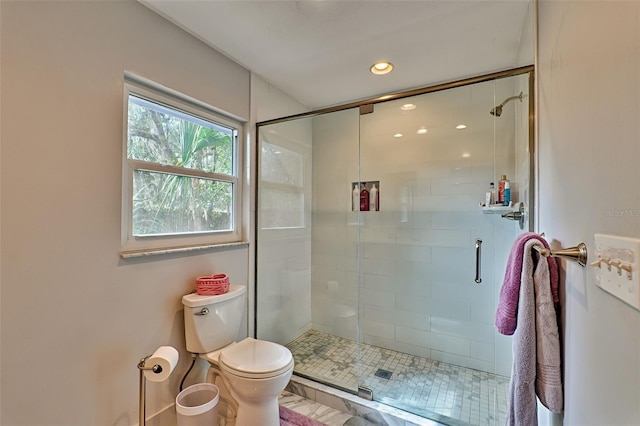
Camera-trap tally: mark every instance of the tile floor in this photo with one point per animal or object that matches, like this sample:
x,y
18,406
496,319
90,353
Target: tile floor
x,y
433,389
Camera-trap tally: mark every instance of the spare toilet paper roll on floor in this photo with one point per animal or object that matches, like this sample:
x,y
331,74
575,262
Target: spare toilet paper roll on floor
x,y
167,358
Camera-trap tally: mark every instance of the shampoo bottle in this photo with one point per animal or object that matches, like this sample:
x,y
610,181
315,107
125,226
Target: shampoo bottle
x,y
355,198
374,200
507,193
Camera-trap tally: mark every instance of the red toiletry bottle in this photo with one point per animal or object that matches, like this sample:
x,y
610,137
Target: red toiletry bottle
x,y
364,198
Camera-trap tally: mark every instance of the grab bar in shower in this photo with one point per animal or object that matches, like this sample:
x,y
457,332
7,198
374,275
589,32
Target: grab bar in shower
x,y
576,254
478,260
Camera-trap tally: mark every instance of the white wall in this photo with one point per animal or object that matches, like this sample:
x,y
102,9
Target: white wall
x,y
271,103
75,318
589,98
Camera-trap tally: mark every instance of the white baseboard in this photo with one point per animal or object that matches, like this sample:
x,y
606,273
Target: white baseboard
x,y
165,417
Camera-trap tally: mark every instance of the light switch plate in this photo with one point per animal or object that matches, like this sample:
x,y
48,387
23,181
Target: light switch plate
x,y
618,267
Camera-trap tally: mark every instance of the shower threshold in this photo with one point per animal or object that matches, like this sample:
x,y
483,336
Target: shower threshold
x,y
371,412
446,393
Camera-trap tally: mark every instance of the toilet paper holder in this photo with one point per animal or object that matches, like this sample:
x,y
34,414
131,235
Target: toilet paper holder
x,y
142,367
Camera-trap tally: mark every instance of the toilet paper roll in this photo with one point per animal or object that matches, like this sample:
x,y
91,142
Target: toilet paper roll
x,y
166,357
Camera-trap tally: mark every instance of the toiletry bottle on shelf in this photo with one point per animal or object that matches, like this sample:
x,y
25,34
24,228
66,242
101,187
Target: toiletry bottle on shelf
x,y
355,198
503,180
374,199
507,193
490,196
364,198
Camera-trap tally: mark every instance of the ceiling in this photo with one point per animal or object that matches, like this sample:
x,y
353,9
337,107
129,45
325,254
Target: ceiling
x,y
320,51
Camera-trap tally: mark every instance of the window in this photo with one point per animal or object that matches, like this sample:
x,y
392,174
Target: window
x,y
181,183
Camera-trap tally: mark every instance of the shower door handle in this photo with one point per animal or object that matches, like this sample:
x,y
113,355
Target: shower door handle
x,y
478,259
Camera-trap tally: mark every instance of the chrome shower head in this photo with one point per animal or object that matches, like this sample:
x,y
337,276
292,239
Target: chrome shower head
x,y
497,111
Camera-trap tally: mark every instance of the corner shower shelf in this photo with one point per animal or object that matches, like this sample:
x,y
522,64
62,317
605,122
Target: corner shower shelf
x,y
516,212
499,209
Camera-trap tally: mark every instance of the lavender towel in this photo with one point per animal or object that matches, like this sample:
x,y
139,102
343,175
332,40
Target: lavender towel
x,y
536,346
506,314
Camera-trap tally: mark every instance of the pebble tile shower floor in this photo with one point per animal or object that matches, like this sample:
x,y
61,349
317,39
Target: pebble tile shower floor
x,y
418,385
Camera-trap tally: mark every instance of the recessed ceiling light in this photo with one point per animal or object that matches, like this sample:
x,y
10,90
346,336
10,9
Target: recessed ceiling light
x,y
380,68
407,107
466,155
422,131
461,126
398,135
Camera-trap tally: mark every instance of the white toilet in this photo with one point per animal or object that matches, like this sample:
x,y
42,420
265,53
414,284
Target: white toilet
x,y
254,372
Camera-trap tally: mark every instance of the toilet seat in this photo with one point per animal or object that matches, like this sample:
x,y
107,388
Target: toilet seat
x,y
255,359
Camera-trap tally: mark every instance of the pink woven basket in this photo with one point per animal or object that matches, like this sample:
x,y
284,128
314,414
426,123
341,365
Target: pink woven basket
x,y
212,285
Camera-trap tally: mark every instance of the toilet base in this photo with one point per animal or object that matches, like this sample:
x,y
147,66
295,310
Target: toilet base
x,y
265,414
228,405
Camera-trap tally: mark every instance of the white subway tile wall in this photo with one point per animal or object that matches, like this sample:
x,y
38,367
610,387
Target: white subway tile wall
x,y
412,263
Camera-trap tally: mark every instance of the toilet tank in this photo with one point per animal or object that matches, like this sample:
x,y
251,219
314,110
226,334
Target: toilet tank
x,y
212,322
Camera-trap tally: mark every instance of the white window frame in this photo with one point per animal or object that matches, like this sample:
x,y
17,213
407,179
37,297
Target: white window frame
x,y
132,245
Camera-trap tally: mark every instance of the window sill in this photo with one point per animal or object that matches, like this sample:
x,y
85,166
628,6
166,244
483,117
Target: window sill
x,y
132,254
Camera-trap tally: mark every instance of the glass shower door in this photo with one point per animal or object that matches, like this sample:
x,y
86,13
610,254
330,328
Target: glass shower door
x,y
308,244
283,294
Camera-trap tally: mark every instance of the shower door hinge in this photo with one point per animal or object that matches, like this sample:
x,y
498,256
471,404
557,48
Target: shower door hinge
x,y
365,393
366,109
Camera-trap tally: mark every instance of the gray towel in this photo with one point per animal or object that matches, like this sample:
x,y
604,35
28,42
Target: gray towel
x,y
548,358
536,346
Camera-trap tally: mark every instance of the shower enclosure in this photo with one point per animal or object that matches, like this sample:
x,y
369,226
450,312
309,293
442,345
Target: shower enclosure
x,y
371,236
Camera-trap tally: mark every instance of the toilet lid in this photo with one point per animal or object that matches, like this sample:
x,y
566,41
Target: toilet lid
x,y
256,359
